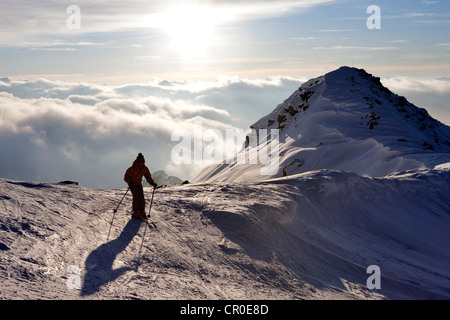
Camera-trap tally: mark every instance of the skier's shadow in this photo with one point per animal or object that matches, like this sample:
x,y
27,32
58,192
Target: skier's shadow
x,y
98,265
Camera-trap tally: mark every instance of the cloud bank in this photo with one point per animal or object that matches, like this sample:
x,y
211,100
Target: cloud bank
x,y
52,131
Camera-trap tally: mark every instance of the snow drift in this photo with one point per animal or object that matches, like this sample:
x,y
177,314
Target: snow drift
x,y
350,193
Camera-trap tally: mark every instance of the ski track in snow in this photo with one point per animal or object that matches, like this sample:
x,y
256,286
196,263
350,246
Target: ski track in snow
x,y
309,236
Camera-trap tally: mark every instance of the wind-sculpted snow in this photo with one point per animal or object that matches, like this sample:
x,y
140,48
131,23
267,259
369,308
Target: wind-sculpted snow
x,y
308,236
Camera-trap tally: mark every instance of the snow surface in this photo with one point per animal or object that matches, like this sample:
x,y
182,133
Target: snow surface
x,y
347,197
346,120
310,236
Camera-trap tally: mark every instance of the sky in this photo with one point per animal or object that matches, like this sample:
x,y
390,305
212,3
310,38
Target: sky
x,y
86,85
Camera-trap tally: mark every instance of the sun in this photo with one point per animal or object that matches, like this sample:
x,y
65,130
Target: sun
x,y
190,29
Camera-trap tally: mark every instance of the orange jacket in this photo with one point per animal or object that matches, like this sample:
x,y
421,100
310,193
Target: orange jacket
x,y
135,173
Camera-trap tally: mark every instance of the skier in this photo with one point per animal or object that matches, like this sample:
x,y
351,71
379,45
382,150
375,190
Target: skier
x,y
133,177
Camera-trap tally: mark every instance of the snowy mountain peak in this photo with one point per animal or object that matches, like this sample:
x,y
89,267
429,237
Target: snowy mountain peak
x,y
347,120
354,90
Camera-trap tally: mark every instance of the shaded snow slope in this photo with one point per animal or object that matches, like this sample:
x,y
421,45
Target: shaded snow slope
x,y
345,120
310,236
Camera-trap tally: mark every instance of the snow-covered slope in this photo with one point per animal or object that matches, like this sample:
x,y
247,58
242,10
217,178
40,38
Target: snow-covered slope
x,y
345,120
364,181
309,236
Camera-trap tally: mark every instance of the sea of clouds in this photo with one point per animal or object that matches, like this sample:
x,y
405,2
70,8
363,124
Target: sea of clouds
x,y
53,130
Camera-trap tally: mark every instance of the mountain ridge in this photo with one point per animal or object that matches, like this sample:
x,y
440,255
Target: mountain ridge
x,y
373,93
346,120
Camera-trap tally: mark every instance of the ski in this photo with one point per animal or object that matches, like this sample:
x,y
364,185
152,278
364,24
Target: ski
x,y
151,223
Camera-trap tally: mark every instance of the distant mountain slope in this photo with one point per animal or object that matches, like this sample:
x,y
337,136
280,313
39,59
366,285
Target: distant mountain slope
x,y
346,120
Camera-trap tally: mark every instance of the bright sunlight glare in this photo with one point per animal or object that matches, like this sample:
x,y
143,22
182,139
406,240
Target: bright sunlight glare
x,y
190,28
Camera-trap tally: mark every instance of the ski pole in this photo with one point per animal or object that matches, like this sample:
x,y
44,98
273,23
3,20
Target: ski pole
x,y
142,243
115,210
151,202
145,230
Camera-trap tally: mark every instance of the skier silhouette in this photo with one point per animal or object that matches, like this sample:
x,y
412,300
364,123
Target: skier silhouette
x,y
133,177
